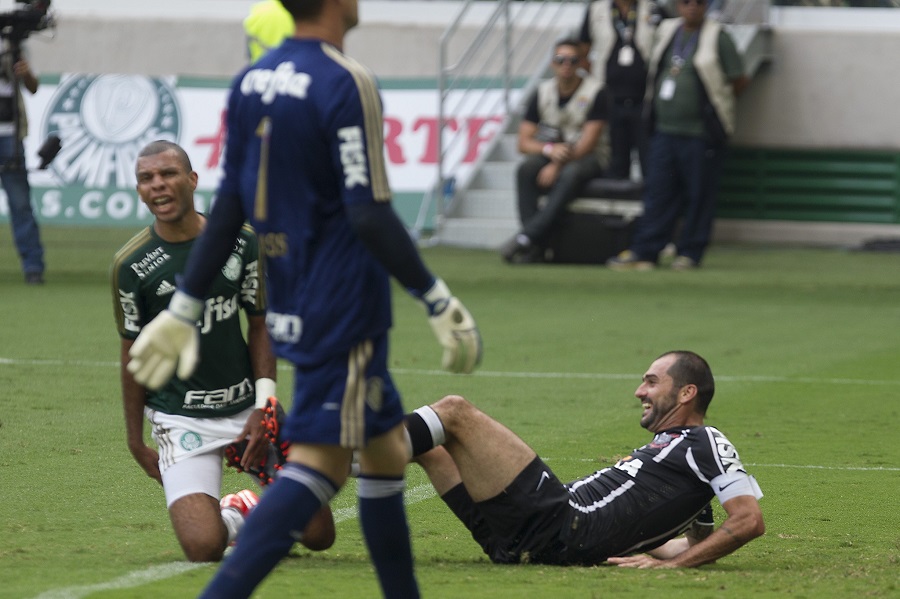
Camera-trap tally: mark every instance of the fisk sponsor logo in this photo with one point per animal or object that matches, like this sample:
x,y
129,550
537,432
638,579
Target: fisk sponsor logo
x,y
129,311
727,453
353,157
250,284
218,309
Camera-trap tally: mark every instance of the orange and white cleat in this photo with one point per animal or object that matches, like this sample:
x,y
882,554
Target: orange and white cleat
x,y
242,501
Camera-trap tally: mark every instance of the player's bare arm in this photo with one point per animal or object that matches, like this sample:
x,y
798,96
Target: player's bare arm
x,y
743,524
262,360
590,136
133,401
673,547
263,363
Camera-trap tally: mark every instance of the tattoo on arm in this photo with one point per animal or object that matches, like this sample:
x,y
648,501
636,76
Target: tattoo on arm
x,y
729,531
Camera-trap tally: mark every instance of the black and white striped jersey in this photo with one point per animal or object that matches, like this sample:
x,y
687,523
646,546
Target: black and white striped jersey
x,y
653,494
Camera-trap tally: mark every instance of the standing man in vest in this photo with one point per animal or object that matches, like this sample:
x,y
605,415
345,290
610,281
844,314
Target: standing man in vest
x,y
560,135
695,75
620,35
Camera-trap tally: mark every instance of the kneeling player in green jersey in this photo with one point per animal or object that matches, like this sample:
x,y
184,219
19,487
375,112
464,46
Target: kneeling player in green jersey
x,y
226,403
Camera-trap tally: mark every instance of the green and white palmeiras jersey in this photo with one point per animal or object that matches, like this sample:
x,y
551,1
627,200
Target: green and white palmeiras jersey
x,y
143,280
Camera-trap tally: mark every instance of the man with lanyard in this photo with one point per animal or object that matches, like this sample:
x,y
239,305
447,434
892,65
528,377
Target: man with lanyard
x,y
695,76
620,34
562,138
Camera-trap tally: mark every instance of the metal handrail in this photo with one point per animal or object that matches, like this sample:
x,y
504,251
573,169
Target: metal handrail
x,y
495,60
499,58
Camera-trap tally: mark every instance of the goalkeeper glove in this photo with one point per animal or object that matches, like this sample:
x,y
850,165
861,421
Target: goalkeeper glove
x,y
454,328
169,339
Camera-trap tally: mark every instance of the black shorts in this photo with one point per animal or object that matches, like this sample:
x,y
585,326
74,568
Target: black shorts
x,y
527,518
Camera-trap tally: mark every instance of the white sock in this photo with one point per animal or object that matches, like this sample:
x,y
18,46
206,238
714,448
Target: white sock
x,y
234,522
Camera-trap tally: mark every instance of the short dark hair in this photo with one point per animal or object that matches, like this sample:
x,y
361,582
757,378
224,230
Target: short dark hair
x,y
302,10
567,41
162,145
690,369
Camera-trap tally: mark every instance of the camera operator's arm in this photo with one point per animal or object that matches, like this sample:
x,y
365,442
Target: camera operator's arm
x,y
24,73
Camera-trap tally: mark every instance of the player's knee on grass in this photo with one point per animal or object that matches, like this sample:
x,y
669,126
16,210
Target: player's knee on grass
x,y
199,553
319,534
198,526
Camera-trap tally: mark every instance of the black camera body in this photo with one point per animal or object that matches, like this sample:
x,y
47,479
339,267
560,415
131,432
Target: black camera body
x,y
15,26
18,24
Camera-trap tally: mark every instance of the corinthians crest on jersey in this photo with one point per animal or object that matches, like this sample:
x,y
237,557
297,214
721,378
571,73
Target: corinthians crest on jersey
x,y
103,121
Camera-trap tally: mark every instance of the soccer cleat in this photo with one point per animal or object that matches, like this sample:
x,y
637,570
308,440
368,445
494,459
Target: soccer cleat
x,y
276,453
242,501
628,260
34,278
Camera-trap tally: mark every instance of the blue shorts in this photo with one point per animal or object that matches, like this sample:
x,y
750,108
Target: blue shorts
x,y
345,401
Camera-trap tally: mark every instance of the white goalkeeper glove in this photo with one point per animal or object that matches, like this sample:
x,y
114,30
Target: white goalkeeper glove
x,y
169,339
454,328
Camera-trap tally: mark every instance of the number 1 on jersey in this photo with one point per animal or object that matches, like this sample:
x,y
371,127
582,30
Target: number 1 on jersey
x,y
261,204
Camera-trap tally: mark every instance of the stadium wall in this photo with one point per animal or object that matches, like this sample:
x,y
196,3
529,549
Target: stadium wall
x,y
826,89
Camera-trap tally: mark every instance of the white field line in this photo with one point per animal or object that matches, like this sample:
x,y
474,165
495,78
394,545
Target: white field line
x,y
517,375
163,571
757,465
130,580
411,496
421,492
845,468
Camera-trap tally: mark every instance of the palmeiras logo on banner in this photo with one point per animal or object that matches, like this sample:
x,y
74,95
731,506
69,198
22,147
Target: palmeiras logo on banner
x,y
103,121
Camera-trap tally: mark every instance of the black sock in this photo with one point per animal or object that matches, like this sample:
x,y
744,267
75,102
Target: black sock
x,y
424,430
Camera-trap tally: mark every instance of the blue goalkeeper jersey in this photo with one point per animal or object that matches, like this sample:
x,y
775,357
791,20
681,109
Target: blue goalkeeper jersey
x,y
305,138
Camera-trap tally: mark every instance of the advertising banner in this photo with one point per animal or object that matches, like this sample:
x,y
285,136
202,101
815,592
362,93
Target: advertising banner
x,y
104,120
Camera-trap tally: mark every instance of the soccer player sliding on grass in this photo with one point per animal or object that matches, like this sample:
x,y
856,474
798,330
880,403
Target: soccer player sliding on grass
x,y
631,514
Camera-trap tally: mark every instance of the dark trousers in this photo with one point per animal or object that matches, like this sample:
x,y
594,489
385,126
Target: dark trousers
x,y
538,222
21,214
626,133
682,180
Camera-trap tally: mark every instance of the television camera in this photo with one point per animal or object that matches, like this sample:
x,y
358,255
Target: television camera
x,y
18,24
15,26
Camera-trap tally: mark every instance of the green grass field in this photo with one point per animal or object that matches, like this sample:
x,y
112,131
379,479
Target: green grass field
x,y
804,344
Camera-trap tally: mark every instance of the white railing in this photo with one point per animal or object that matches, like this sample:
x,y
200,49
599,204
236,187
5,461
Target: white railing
x,y
488,52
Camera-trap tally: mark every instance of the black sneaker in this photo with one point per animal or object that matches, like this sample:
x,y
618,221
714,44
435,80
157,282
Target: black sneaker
x,y
34,278
511,248
628,260
533,254
514,251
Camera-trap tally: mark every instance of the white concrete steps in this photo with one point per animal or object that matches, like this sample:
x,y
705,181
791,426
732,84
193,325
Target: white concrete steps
x,y
481,233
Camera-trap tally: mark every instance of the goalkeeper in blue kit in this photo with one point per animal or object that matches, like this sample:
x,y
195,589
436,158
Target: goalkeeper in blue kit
x,y
305,164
